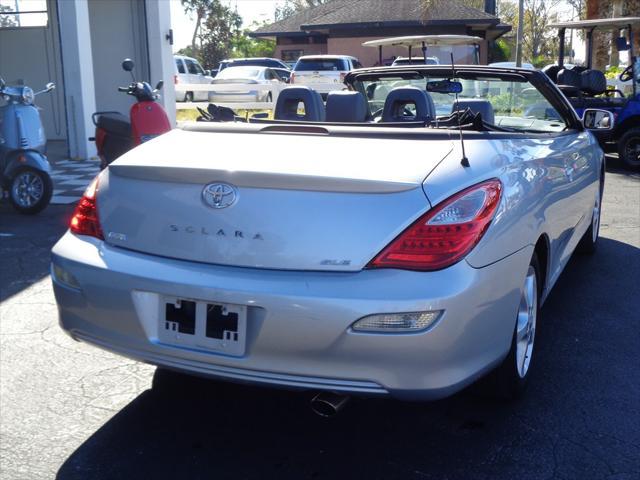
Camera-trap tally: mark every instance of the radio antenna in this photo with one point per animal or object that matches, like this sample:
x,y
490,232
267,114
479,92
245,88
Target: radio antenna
x,y
464,161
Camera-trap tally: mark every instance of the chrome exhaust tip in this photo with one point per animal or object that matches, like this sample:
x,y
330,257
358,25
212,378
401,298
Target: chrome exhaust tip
x,y
328,404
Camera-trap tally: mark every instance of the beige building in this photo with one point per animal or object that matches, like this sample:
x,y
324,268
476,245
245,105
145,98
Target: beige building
x,y
341,26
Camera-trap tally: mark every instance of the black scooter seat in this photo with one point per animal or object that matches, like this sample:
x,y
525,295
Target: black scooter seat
x,y
115,124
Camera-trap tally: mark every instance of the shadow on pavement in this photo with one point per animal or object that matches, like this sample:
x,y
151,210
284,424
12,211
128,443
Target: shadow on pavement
x,y
567,425
24,248
615,165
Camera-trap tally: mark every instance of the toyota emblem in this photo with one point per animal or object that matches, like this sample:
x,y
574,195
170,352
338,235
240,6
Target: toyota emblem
x,y
219,195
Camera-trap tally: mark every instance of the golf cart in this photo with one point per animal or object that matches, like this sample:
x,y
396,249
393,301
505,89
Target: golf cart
x,y
440,47
587,88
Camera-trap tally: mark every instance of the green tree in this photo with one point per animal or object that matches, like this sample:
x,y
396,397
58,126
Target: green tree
x,y
190,52
200,8
219,30
7,20
216,27
244,45
539,42
290,7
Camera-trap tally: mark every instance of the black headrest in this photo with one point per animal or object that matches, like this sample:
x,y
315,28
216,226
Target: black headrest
x,y
346,106
570,78
551,71
483,107
291,97
593,82
400,97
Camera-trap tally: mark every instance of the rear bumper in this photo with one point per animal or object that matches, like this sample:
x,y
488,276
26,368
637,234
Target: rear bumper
x,y
322,87
298,333
222,97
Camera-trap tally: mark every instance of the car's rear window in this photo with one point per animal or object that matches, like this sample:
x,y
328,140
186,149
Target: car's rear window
x,y
318,64
239,72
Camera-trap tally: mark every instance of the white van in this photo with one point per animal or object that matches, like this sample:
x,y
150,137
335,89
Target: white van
x,y
189,70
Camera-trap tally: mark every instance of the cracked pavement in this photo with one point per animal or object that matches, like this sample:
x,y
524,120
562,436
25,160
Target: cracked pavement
x,y
71,411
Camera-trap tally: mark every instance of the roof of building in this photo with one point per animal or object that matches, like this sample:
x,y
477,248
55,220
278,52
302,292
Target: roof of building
x,y
361,13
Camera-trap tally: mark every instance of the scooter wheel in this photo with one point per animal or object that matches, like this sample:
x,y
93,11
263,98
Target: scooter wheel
x,y
30,190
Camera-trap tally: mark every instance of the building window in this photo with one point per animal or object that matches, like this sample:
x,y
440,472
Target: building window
x,y
23,13
291,55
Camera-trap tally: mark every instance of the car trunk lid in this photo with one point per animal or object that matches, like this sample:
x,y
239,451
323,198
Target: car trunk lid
x,y
301,201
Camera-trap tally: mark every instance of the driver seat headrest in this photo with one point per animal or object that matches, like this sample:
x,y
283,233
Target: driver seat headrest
x,y
400,97
291,97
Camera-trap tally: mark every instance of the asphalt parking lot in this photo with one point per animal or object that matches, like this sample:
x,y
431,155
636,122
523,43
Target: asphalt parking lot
x,y
71,411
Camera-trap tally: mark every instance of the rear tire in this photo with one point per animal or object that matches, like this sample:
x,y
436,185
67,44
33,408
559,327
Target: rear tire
x,y
30,190
509,380
629,148
589,241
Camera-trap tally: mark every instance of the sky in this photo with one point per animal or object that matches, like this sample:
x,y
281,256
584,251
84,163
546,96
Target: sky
x,y
249,10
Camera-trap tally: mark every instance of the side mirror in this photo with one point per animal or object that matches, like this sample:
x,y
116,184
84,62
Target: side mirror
x,y
127,65
594,119
49,86
621,44
159,85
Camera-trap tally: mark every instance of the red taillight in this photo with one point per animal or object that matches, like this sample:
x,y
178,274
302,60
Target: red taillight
x,y
175,79
101,135
292,77
445,234
342,75
85,217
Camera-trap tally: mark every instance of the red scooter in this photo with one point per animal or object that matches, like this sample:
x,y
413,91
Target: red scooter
x,y
116,134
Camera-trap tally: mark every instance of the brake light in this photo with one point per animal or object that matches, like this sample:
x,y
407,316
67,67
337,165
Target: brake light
x,y
342,75
101,136
175,79
445,234
85,217
292,77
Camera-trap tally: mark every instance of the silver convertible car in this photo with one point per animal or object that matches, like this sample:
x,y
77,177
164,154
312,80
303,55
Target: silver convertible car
x,y
403,250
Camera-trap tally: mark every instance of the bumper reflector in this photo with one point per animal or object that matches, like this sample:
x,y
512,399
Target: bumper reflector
x,y
397,322
64,278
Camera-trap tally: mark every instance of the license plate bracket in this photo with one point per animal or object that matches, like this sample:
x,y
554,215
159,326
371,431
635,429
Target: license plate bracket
x,y
201,324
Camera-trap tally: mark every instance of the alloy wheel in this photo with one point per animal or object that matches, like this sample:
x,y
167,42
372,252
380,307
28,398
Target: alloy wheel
x,y
595,222
27,189
526,327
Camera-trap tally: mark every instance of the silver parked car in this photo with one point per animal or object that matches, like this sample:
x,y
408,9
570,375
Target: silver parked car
x,y
259,81
391,258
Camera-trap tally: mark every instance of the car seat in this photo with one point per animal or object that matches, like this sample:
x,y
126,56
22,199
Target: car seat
x,y
483,107
290,99
346,106
401,97
569,82
551,71
593,82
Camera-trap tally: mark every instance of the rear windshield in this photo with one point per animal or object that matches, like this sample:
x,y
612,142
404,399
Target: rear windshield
x,y
318,64
239,72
